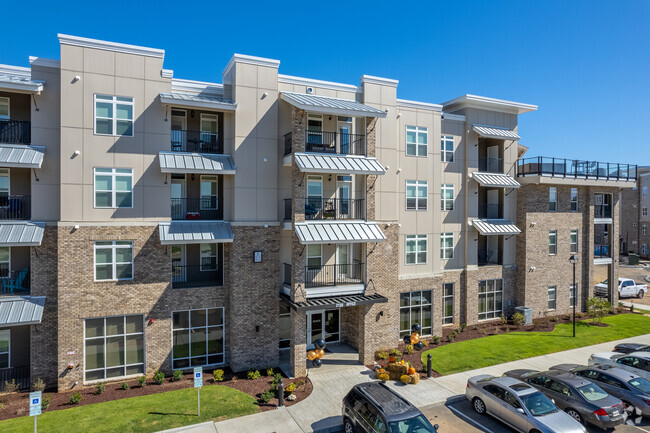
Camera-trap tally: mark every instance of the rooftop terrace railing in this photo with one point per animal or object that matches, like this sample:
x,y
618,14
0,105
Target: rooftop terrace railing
x,y
577,169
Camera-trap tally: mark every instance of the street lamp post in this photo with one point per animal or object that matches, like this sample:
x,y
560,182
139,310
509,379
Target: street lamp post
x,y
573,260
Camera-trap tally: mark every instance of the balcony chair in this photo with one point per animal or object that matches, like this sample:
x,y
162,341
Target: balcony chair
x,y
11,285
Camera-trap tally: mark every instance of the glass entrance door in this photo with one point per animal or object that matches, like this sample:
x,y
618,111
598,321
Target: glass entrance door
x,y
343,193
345,132
323,324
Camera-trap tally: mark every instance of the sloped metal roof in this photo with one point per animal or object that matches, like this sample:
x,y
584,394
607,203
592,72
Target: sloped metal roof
x,y
21,233
328,105
16,155
336,232
21,310
495,132
20,83
495,180
495,227
195,232
335,302
336,163
204,163
197,101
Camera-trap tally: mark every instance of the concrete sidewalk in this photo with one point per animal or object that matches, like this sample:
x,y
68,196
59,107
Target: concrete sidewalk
x,y
321,411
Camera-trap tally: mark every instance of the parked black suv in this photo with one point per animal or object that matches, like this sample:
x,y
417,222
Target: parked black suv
x,y
374,408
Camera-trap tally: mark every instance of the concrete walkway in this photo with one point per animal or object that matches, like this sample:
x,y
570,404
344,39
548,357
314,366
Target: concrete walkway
x,y
321,411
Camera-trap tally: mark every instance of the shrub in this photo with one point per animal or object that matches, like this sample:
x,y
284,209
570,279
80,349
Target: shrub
x,y
45,402
142,381
384,377
409,349
450,338
435,339
217,375
553,318
382,354
270,372
518,319
277,377
266,396
395,352
598,308
158,377
124,385
504,319
11,386
253,374
425,343
456,332
405,379
299,382
462,327
290,388
75,398
580,315
39,385
100,387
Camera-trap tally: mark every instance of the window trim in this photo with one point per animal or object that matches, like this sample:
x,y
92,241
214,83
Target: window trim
x,y
417,184
416,238
8,104
447,156
216,195
574,202
113,174
448,320
189,340
114,263
573,246
444,248
444,201
8,352
644,229
554,244
549,290
114,119
552,199
216,257
644,211
493,311
410,306
418,130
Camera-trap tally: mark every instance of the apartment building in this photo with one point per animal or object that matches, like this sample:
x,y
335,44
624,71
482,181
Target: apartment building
x,y
153,222
634,237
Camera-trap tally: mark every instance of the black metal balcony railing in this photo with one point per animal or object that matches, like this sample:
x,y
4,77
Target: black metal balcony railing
x,y
287,274
18,374
14,282
602,211
601,251
288,209
203,208
194,276
490,165
490,211
15,132
317,208
196,141
15,207
330,142
572,168
334,275
490,257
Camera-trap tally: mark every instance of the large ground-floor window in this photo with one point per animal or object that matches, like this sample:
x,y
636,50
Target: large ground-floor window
x,y
5,345
447,303
284,327
490,299
114,347
198,337
415,307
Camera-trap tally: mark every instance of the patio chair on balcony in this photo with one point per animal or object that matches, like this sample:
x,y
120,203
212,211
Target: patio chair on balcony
x,y
12,285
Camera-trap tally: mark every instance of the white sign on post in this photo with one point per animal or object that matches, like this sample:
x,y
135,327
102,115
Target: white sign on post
x,y
198,383
35,403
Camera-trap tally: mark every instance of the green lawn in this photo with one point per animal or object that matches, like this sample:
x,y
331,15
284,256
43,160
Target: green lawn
x,y
497,349
141,414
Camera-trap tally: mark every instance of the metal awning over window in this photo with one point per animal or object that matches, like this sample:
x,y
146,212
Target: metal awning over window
x,y
20,84
334,302
343,164
495,132
21,310
195,232
327,105
338,232
189,100
21,234
498,180
495,227
203,163
16,155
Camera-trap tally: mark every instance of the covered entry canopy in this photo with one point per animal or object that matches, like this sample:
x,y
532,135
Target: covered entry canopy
x,y
334,302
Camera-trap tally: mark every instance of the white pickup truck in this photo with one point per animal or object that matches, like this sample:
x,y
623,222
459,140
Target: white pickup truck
x,y
626,288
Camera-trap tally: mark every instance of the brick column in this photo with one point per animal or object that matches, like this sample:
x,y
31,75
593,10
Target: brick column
x,y
298,351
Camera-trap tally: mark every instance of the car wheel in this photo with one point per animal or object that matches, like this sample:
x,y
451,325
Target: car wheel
x,y
628,407
574,414
479,406
347,426
640,294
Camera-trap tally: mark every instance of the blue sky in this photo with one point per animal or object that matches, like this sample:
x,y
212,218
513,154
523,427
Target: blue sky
x,y
584,63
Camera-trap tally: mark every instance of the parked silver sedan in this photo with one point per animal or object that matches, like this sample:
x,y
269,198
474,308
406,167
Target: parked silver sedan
x,y
585,401
519,405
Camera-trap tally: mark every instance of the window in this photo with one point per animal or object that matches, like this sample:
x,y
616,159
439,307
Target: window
x,y
113,260
209,257
551,297
490,299
552,199
573,293
574,199
4,108
416,141
644,211
574,241
415,307
198,337
416,249
499,393
113,115
5,186
644,229
314,255
113,187
114,347
5,348
5,262
447,303
644,249
552,242
446,246
209,193
446,197
644,190
447,148
284,327
416,195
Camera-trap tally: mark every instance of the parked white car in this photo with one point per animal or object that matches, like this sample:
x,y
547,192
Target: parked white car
x,y
635,362
627,288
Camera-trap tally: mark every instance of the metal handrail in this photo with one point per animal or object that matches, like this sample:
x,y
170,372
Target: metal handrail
x,y
15,207
490,257
335,142
490,165
197,208
15,131
334,275
317,208
196,141
193,276
577,169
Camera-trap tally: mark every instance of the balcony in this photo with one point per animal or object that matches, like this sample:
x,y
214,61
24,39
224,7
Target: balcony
x,y
15,207
490,211
490,257
15,132
602,252
602,211
196,142
490,165
330,142
576,169
334,275
193,276
317,208
14,282
199,208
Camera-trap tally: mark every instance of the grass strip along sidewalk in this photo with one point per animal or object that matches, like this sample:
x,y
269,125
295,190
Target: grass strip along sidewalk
x,y
147,413
498,349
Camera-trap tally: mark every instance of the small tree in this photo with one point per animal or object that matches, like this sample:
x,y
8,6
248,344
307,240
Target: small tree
x,y
598,308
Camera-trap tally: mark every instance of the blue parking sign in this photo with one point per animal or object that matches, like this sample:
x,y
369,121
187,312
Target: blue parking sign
x,y
35,403
198,377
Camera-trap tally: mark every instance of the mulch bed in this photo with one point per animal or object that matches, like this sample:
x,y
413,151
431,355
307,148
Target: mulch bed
x,y
17,404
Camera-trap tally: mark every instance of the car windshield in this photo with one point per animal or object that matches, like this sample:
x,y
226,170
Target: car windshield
x,y
592,392
640,384
418,424
538,404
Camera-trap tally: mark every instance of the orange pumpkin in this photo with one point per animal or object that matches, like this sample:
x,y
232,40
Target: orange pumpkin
x,y
391,358
411,370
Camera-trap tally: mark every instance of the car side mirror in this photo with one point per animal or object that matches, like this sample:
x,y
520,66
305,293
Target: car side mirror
x,y
520,410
